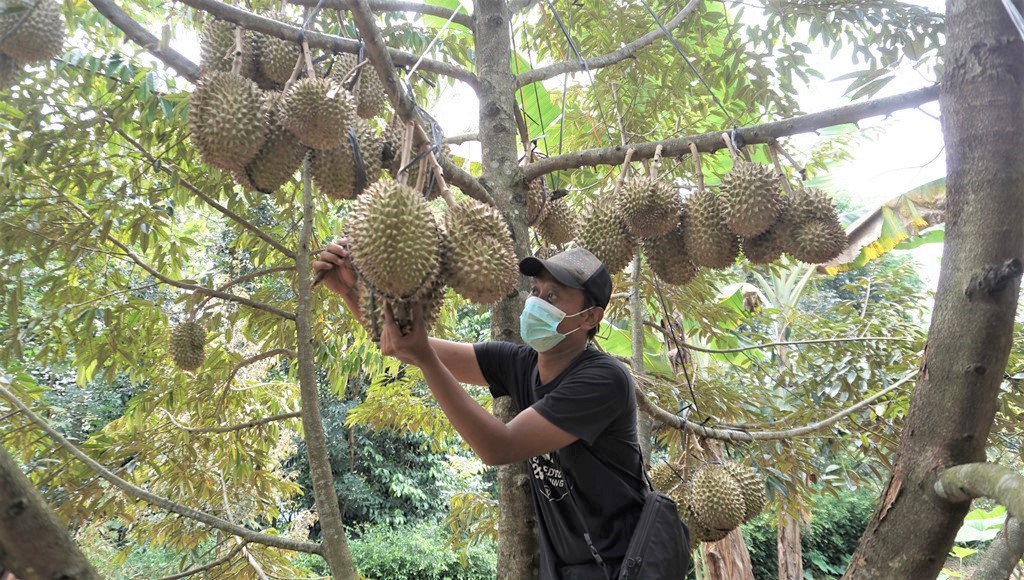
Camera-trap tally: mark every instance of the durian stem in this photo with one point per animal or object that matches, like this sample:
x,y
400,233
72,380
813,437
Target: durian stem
x,y
307,54
236,64
697,171
403,177
446,193
774,143
624,171
778,169
655,163
299,65
729,145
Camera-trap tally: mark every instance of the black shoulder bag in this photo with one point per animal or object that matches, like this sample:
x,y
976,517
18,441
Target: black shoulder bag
x,y
659,548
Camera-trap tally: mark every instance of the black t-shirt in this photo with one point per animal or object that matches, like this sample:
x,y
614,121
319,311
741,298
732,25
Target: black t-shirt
x,y
594,400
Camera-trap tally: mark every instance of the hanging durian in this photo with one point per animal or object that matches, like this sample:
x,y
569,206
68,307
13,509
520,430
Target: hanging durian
x,y
335,172
218,46
716,498
281,154
751,198
318,112
709,241
394,240
560,225
538,202
480,258
275,57
226,119
816,241
698,531
649,207
604,233
187,345
31,31
751,487
668,255
665,477
369,93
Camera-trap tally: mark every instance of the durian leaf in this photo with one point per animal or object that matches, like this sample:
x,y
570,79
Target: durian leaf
x,y
894,224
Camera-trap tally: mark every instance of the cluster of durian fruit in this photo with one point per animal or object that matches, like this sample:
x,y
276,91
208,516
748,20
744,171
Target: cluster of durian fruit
x,y
32,31
749,212
258,111
715,499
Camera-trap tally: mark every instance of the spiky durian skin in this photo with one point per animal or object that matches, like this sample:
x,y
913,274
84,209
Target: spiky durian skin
x,y
217,45
187,345
668,256
751,486
560,225
649,207
481,260
665,477
281,154
335,172
318,112
394,240
538,202
708,239
764,248
369,93
10,70
275,57
816,241
716,498
750,198
226,119
698,531
33,31
810,204
373,303
605,234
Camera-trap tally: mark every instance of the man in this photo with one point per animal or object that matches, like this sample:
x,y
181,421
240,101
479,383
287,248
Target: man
x,y
577,421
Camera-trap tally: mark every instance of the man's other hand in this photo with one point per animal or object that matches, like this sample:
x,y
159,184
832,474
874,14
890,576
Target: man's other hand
x,y
412,348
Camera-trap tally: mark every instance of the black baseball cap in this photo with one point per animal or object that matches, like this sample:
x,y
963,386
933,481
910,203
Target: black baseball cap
x,y
575,268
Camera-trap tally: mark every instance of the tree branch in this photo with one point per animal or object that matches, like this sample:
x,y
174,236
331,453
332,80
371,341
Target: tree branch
x,y
141,494
672,420
381,58
618,55
962,483
330,42
710,142
142,37
460,139
230,428
1003,554
397,6
167,167
765,345
192,571
246,278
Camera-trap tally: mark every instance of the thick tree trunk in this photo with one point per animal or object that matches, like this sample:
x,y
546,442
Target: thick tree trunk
x,y
791,564
953,406
728,558
34,544
336,550
517,521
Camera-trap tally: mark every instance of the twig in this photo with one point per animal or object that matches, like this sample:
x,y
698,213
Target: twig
x,y
246,278
698,173
781,343
774,144
211,565
230,428
656,162
624,172
246,362
163,503
778,169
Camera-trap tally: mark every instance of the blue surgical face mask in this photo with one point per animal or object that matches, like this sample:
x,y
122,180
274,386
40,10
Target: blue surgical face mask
x,y
538,324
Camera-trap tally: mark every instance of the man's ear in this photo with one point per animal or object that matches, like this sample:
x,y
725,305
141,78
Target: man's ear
x,y
594,316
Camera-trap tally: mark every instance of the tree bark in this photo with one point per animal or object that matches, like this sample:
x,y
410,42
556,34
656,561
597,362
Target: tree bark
x,y
34,544
517,538
335,545
952,409
791,564
728,558
1004,553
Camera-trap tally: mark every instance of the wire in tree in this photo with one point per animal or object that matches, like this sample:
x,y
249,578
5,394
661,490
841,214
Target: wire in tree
x,y
675,44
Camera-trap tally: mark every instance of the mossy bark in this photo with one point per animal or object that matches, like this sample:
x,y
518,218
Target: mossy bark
x,y
955,401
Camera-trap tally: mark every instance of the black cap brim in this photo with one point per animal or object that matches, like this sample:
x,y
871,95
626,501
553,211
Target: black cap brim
x,y
532,266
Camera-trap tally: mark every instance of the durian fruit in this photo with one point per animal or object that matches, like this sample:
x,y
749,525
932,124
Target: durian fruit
x,y
665,477
605,234
217,48
545,252
709,241
649,207
394,239
10,70
372,304
810,204
751,198
668,257
226,119
698,531
816,241
281,154
335,172
187,345
751,486
765,247
538,202
480,259
392,144
32,30
318,112
716,498
560,225
369,93
275,57
341,67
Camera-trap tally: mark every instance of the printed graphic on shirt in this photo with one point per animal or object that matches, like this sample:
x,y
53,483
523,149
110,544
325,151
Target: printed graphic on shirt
x,y
548,476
